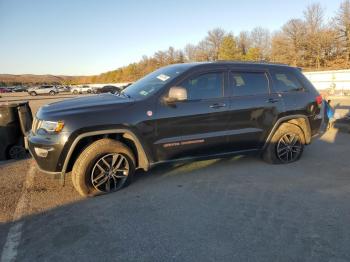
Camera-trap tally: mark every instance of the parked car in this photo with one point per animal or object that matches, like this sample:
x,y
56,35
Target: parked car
x,y
19,89
5,90
81,89
43,90
63,89
178,113
107,89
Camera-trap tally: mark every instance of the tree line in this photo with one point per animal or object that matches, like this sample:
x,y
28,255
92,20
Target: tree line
x,y
310,42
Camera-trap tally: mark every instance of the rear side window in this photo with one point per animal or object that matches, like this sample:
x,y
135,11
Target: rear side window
x,y
249,83
286,82
204,86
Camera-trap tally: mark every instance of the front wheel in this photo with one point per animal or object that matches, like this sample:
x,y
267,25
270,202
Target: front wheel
x,y
52,93
103,167
286,145
33,93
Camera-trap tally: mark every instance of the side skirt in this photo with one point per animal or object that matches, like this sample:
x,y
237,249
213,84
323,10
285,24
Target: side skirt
x,y
207,157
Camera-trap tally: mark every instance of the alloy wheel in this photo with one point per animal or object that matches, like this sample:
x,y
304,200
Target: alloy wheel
x,y
110,172
289,147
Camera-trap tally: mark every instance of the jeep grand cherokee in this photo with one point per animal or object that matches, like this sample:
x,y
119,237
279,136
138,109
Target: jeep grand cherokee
x,y
179,112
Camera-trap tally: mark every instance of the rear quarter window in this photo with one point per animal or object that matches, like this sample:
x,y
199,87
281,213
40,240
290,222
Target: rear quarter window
x,y
249,83
286,82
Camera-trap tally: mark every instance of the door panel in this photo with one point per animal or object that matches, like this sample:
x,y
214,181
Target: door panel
x,y
197,126
253,109
252,117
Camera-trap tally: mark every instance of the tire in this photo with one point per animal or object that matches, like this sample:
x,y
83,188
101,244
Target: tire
x,y
33,93
90,163
16,152
280,150
75,92
52,93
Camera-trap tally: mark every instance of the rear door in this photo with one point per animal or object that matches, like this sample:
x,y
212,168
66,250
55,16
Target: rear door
x,y
198,125
253,108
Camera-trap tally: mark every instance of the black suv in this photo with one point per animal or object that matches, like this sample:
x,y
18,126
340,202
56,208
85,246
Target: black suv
x,y
179,112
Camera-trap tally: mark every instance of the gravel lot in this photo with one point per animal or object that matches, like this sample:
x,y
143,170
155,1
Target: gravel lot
x,y
235,209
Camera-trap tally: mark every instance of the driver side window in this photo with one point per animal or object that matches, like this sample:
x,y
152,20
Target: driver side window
x,y
205,86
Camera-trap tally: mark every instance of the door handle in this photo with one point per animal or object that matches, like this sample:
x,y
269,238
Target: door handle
x,y
272,100
217,105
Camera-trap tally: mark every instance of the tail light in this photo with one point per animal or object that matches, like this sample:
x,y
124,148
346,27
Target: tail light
x,y
319,100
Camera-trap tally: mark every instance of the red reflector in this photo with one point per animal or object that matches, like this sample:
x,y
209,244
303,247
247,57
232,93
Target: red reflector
x,y
319,100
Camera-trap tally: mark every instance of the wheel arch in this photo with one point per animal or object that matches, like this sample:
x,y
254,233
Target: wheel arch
x,y
299,120
123,135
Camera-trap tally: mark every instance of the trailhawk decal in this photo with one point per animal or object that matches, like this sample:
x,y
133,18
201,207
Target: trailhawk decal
x,y
182,143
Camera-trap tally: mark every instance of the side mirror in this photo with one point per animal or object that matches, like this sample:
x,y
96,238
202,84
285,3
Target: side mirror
x,y
176,93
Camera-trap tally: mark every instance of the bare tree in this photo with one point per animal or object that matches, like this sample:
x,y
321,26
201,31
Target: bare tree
x,y
314,17
295,32
203,51
190,52
213,41
243,42
342,23
261,39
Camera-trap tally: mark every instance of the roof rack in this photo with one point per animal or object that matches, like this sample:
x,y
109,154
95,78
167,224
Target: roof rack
x,y
250,62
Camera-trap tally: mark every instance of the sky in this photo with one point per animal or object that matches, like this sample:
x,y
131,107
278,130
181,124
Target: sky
x,y
86,37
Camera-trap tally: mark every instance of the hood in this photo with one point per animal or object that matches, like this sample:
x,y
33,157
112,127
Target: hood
x,y
88,104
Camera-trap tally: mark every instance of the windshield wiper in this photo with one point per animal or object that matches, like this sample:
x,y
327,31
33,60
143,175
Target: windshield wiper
x,y
123,94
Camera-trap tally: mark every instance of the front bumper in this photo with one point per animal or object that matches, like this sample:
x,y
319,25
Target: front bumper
x,y
50,162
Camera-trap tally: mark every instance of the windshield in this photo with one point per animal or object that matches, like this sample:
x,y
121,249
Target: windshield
x,y
154,81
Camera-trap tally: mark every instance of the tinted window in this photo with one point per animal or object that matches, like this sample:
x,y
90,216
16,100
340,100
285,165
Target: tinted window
x,y
286,82
152,82
204,86
249,83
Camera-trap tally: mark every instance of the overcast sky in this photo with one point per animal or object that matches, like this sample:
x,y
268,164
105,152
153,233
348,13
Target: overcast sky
x,y
84,37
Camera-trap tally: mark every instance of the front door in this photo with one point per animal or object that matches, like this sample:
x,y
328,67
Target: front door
x,y
198,125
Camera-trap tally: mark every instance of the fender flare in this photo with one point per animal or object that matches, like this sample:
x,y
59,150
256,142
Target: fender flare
x,y
281,120
141,154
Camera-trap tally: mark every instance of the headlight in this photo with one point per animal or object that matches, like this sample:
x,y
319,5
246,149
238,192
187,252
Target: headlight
x,y
51,126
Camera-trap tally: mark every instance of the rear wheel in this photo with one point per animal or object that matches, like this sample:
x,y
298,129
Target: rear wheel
x,y
75,92
103,167
33,93
286,145
52,93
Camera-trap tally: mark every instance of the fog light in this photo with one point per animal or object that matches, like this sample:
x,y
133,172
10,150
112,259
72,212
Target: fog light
x,y
42,152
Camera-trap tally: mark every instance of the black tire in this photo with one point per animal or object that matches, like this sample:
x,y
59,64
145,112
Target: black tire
x,y
84,170
75,92
278,151
16,152
52,93
33,93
